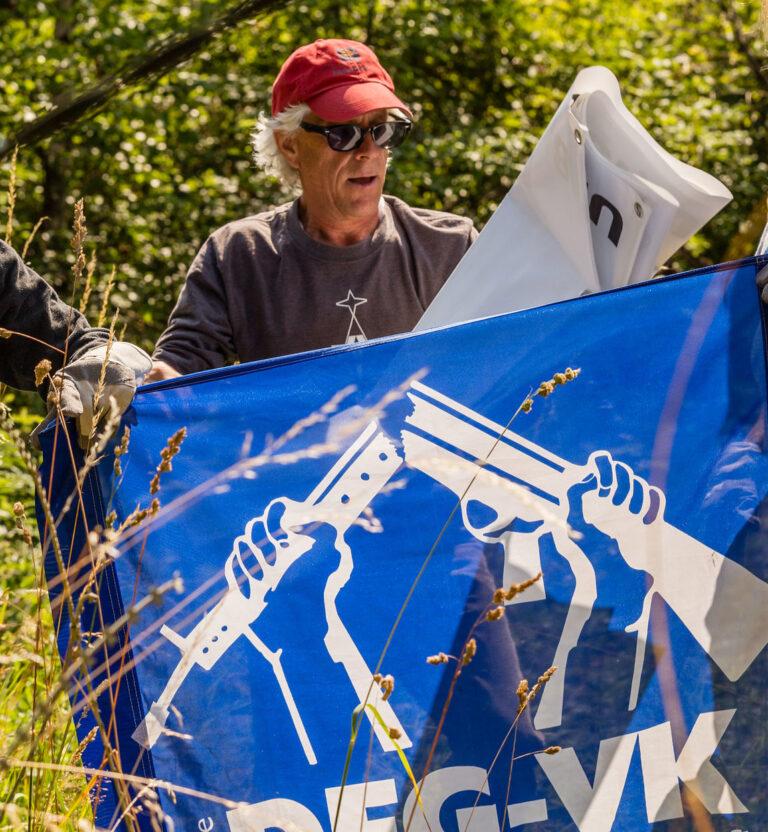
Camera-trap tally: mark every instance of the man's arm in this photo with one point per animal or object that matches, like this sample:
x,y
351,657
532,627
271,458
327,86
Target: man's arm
x,y
39,326
28,305
199,333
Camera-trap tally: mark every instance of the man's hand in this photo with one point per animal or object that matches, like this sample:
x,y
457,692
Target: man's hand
x,y
612,501
762,283
74,388
160,372
616,512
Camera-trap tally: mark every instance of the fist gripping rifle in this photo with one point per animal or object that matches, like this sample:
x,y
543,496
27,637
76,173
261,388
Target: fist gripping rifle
x,y
723,605
337,500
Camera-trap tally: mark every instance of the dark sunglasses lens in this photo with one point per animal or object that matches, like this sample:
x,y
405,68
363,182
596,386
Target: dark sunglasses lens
x,y
344,137
390,133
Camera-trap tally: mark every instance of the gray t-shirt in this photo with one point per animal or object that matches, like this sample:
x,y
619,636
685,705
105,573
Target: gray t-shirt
x,y
261,286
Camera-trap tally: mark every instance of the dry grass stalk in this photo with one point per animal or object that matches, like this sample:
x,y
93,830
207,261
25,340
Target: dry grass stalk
x,y
386,683
134,779
77,757
31,237
469,652
527,696
88,288
20,518
501,595
439,658
99,392
172,447
546,388
42,370
120,451
78,240
103,310
11,196
11,333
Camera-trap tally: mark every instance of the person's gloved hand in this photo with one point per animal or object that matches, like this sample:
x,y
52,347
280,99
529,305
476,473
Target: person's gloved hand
x,y
75,385
762,283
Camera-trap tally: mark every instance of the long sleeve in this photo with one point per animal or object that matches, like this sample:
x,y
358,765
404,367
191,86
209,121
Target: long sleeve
x,y
199,331
29,305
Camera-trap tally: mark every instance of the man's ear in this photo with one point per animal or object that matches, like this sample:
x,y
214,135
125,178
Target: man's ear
x,y
287,144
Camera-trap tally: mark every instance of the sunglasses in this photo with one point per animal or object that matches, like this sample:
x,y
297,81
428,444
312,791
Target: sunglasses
x,y
343,137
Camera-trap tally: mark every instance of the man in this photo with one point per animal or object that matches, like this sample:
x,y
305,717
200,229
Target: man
x,y
341,263
35,325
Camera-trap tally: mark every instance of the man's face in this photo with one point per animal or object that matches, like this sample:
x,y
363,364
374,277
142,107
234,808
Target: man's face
x,y
340,185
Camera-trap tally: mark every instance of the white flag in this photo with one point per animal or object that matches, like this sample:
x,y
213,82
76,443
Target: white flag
x,y
598,205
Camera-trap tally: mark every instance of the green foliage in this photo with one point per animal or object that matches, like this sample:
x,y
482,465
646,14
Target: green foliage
x,y
163,165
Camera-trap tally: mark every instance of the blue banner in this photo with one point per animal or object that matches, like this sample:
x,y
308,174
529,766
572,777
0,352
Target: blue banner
x,y
340,517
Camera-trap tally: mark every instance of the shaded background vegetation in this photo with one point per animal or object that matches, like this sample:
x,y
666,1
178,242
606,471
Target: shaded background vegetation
x,y
167,160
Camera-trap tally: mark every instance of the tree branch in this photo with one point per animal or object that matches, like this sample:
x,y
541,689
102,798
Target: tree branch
x,y
159,60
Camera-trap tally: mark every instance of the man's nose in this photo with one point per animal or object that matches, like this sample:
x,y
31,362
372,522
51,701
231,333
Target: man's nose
x,y
367,148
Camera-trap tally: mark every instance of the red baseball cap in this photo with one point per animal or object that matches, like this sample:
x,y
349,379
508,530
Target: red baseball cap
x,y
338,79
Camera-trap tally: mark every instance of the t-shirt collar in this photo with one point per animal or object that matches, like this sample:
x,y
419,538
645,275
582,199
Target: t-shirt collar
x,y
325,251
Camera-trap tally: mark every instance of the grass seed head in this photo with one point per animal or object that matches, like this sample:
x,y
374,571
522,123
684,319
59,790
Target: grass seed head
x,y
41,371
527,405
386,683
553,749
121,450
172,447
516,589
540,682
387,687
20,516
545,388
495,614
438,658
5,333
522,695
470,650
394,734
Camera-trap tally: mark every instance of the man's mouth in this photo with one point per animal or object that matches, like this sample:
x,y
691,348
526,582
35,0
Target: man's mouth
x,y
363,181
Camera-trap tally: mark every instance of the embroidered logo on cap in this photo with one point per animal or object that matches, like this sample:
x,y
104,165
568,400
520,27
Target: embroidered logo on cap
x,y
347,53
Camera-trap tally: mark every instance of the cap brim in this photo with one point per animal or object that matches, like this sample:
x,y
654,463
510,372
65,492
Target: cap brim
x,y
354,100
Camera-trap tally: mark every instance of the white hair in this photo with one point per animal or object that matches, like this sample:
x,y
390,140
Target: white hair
x,y
266,153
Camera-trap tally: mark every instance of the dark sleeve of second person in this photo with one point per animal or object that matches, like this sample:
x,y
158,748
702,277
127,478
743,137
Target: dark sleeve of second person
x,y
199,332
28,305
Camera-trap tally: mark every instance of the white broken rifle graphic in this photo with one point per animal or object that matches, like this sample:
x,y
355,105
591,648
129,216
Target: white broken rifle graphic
x,y
723,605
338,500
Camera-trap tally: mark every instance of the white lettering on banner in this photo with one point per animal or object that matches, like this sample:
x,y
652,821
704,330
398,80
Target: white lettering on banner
x,y
205,824
437,787
282,814
693,767
593,808
531,811
357,798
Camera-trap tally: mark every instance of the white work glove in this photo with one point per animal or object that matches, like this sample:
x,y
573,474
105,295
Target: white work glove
x,y
76,383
